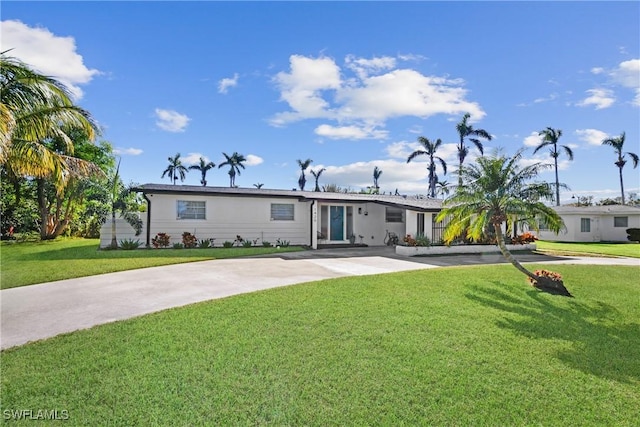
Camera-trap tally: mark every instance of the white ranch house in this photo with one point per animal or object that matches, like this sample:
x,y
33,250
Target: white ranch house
x,y
299,217
594,223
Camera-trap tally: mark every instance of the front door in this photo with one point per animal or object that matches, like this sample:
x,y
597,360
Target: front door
x,y
336,223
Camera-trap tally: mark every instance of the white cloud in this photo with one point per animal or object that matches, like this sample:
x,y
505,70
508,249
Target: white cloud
x,y
315,88
597,70
533,140
591,136
350,132
627,74
601,98
253,160
47,53
171,121
226,83
551,97
127,151
194,159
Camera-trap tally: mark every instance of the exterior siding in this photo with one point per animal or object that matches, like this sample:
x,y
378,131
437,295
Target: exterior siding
x,y
228,217
124,231
602,228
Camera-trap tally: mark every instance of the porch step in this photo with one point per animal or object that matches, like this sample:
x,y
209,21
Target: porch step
x,y
342,245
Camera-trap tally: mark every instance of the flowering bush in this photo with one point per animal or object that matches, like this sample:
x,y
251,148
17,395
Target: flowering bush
x,y
524,238
410,241
551,275
161,240
189,240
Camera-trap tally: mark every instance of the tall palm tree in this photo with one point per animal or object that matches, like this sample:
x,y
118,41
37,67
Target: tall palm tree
x,y
35,109
617,144
304,164
377,172
235,162
550,139
443,188
496,189
316,175
175,169
258,185
466,131
430,149
203,166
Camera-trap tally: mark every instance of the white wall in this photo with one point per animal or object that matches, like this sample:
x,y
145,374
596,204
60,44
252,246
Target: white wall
x,y
227,217
124,231
602,229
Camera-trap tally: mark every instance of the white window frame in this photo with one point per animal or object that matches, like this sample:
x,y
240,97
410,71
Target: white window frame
x,y
626,221
281,212
198,212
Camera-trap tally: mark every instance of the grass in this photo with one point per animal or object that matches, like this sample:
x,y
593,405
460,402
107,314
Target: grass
x,y
30,263
602,249
449,346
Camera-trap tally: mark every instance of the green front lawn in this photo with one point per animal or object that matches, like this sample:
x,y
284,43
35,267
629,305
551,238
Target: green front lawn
x,y
449,346
607,249
30,263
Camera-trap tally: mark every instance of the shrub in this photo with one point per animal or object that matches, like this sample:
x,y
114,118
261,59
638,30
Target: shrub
x,y
422,240
205,243
551,275
227,244
282,243
161,240
266,244
129,244
178,246
633,234
524,238
189,240
410,241
239,240
247,244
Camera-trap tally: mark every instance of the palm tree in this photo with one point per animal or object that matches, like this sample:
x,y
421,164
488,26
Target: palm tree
x,y
203,167
120,198
235,162
376,176
497,189
617,144
35,109
443,188
258,185
430,149
465,130
316,175
550,139
175,169
303,166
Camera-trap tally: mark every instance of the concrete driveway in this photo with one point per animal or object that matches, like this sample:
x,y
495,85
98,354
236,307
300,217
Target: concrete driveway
x,y
41,311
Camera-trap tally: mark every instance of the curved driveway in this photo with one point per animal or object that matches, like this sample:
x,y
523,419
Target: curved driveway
x,y
41,311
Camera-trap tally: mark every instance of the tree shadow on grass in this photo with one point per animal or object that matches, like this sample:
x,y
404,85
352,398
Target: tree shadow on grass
x,y
605,344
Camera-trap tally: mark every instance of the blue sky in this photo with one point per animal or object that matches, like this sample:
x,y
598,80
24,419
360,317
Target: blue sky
x,y
350,85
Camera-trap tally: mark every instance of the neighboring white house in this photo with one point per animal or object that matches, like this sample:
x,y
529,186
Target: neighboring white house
x,y
299,217
594,223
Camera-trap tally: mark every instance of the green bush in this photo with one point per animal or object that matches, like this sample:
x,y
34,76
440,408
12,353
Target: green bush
x,y
178,246
227,244
422,240
633,234
282,243
247,244
266,244
205,243
129,244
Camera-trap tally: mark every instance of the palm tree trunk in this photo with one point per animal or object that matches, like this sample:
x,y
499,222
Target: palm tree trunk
x,y
557,183
507,255
621,185
114,240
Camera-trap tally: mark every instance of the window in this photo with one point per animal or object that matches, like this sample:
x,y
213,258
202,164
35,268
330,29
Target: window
x,y
585,225
542,225
393,215
620,221
281,212
191,210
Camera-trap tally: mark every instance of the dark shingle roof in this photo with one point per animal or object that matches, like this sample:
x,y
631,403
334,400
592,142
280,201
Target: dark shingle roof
x,y
411,202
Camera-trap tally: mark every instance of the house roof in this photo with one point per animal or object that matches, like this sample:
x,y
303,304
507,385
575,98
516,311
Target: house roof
x,y
409,202
598,210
